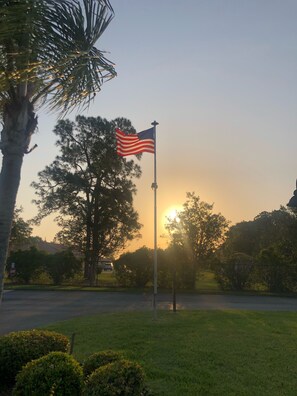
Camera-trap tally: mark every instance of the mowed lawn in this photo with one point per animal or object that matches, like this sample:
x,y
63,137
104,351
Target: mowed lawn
x,y
199,352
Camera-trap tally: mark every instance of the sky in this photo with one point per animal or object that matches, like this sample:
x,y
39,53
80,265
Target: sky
x,y
220,78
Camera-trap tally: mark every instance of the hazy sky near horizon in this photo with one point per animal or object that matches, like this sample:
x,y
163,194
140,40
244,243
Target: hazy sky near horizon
x,y
220,78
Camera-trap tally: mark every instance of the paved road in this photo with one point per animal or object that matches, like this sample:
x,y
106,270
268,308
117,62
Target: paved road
x,y
29,309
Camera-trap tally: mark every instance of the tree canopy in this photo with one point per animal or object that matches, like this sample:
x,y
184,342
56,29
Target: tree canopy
x,y
91,188
197,230
278,227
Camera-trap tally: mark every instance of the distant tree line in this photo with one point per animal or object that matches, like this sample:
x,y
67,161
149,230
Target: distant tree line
x,y
251,255
25,266
260,254
135,269
26,263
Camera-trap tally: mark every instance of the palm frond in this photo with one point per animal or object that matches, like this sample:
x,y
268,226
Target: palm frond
x,y
50,47
77,66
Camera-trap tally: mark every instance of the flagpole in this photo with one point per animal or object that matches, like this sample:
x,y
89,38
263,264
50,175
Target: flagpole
x,y
155,186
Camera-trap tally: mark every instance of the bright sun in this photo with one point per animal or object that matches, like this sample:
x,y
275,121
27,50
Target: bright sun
x,y
171,213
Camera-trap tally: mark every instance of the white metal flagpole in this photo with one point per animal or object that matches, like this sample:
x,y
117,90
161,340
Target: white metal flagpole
x,y
155,186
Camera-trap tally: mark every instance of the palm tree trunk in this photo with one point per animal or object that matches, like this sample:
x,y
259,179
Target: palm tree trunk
x,y
9,183
19,124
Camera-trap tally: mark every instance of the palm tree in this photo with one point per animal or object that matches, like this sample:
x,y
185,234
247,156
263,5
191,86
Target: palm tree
x,y
47,57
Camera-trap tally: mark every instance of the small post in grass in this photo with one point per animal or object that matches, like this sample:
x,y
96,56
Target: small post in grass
x,y
174,289
72,343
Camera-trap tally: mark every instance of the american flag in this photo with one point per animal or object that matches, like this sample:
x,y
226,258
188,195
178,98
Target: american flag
x,y
135,143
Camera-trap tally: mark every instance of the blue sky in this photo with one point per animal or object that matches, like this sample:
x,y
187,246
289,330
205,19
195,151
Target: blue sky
x,y
220,78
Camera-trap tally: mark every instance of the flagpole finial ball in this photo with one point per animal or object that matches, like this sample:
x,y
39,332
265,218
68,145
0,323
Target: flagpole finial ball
x,y
155,123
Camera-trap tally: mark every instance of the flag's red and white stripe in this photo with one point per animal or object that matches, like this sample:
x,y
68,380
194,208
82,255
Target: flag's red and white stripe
x,y
135,143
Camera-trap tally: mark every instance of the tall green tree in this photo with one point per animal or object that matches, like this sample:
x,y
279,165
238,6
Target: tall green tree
x,y
62,266
47,56
91,188
198,231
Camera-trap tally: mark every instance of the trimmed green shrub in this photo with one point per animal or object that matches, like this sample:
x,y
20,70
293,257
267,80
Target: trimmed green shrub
x,y
61,266
175,263
134,269
18,348
123,377
57,373
275,271
234,272
99,359
28,264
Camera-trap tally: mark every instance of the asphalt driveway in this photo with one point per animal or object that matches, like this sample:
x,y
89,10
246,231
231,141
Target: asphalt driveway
x,y
29,309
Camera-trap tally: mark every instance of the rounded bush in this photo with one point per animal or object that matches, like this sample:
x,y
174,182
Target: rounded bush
x,y
99,359
18,348
57,373
123,377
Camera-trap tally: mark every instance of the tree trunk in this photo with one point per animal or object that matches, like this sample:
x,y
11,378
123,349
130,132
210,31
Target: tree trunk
x,y
95,234
9,184
19,124
87,258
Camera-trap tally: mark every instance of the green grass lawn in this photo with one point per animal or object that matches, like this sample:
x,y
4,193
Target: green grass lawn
x,y
207,282
199,352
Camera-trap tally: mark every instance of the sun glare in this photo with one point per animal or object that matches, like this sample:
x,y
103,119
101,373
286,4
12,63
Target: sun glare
x,y
171,213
